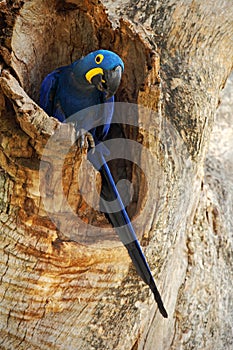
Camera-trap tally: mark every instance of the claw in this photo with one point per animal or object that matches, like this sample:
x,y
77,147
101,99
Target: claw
x,y
85,139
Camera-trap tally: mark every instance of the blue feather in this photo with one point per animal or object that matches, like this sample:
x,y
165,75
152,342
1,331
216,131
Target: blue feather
x,y
68,93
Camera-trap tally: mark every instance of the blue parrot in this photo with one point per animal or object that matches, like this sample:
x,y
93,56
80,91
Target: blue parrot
x,y
92,81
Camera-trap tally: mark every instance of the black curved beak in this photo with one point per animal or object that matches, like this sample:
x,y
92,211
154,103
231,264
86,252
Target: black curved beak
x,y
109,81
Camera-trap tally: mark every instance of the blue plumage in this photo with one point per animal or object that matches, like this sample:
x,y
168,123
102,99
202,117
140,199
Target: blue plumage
x,y
93,81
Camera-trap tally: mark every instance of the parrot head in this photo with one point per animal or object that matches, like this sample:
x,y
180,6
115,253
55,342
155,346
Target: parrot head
x,y
101,69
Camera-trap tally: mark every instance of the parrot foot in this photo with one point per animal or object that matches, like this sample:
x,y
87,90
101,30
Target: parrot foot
x,y
85,139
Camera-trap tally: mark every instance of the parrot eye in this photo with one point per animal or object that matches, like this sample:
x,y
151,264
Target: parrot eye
x,y
99,58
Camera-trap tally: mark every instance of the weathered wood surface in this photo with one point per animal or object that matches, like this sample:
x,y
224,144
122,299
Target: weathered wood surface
x,y
57,292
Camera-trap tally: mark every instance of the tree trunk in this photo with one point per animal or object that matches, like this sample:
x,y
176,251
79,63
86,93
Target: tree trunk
x,y
66,281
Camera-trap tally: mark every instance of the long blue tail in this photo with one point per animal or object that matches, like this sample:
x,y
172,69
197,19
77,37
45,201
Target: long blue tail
x,y
120,220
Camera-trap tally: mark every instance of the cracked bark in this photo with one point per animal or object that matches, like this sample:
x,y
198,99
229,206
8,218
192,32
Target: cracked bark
x,y
57,293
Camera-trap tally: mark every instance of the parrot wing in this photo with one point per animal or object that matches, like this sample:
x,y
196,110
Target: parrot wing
x,y
48,93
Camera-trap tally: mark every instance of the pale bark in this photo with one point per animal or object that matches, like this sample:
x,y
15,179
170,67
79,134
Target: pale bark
x,y
57,293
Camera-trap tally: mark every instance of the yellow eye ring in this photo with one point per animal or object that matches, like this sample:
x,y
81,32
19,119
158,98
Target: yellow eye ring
x,y
99,58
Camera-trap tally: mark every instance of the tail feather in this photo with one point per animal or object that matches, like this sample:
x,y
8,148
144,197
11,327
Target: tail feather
x,y
144,272
121,222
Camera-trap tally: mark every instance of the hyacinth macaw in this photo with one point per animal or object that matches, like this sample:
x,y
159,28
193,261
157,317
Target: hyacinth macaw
x,y
92,81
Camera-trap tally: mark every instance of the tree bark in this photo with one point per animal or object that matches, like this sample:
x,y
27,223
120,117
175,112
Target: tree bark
x,y
63,287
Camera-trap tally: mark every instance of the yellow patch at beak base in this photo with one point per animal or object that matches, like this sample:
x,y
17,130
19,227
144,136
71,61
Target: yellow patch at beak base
x,y
92,72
